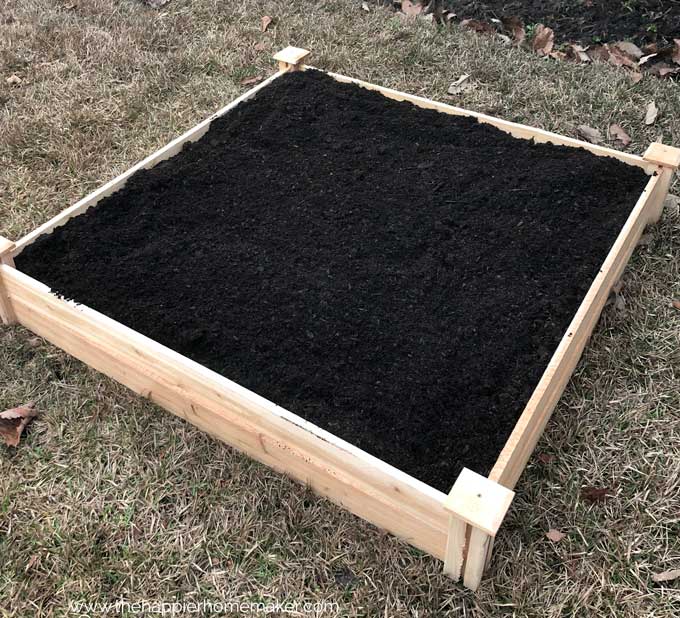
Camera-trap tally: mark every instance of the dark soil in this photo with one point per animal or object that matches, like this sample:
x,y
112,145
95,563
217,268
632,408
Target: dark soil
x,y
585,21
398,276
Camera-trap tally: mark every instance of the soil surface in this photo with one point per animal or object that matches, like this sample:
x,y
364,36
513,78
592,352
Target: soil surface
x,y
397,276
641,21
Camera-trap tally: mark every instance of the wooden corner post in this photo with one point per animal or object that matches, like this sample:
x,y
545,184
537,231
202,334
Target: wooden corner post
x,y
6,260
668,160
477,507
290,59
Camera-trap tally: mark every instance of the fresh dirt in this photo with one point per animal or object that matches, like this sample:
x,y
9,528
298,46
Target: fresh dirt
x,y
398,276
585,21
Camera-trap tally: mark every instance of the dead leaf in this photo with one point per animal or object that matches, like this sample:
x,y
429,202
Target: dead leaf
x,y
666,576
252,80
266,22
558,55
482,27
630,49
647,58
516,29
619,303
651,114
617,134
595,494
365,7
577,52
555,535
462,84
666,71
617,287
599,52
619,58
13,422
546,458
260,47
34,342
411,8
646,239
675,56
588,133
675,304
13,80
635,76
544,40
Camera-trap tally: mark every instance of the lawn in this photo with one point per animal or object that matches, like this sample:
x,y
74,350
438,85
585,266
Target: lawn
x,y
109,497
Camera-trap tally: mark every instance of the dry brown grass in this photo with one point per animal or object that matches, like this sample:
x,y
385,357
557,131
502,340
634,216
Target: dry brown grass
x,y
109,497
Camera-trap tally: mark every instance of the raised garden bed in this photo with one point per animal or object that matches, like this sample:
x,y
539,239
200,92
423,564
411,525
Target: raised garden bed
x,y
413,288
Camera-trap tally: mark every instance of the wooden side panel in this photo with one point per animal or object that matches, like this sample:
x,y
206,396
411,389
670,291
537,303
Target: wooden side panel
x,y
456,548
168,151
515,129
350,477
530,426
6,312
478,550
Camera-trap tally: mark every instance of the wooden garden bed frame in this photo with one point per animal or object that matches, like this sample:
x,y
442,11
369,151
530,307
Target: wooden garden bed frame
x,y
457,528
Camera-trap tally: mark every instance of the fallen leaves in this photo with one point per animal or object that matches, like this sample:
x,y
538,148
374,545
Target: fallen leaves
x,y
578,53
646,239
619,135
511,30
651,113
595,494
459,86
588,133
482,27
13,80
546,458
675,304
621,58
411,8
664,71
265,22
365,7
249,81
543,40
14,421
555,535
515,27
619,303
666,576
631,50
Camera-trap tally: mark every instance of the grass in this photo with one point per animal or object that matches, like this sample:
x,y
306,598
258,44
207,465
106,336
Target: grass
x,y
109,497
